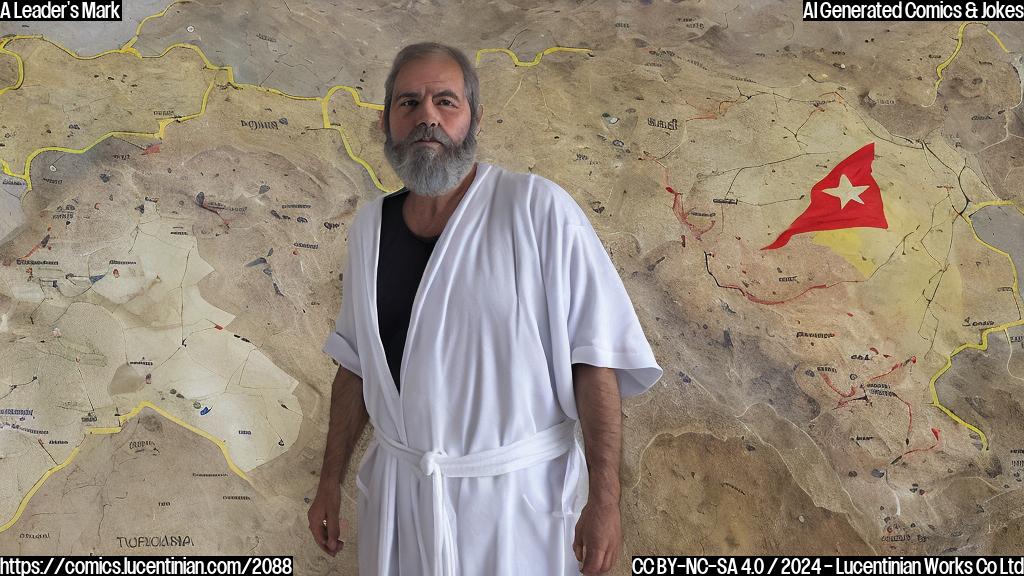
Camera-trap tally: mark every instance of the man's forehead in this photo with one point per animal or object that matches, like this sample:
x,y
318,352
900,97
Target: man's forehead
x,y
432,74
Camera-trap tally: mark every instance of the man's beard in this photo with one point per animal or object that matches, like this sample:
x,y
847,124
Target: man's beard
x,y
427,171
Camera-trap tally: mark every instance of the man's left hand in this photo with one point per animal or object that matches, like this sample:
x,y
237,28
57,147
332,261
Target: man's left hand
x,y
598,540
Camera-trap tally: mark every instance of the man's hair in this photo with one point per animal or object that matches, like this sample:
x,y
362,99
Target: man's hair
x,y
425,49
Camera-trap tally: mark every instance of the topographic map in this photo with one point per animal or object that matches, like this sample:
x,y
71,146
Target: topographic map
x,y
820,225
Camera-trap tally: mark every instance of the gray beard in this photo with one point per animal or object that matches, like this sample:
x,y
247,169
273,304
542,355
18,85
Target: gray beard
x,y
426,171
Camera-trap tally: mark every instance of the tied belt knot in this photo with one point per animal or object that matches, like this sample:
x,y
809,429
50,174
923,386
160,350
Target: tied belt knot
x,y
429,464
436,465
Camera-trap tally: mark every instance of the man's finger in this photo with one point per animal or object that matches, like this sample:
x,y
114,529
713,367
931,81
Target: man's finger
x,y
577,548
319,534
333,530
608,561
593,562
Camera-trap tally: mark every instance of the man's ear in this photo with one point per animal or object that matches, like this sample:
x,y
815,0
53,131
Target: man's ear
x,y
380,120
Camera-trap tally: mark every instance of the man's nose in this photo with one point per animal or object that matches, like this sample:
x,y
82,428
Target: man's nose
x,y
429,114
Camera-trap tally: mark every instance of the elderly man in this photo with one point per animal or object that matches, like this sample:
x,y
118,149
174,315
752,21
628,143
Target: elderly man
x,y
480,319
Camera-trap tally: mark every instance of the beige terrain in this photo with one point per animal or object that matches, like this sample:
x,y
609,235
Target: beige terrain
x,y
171,266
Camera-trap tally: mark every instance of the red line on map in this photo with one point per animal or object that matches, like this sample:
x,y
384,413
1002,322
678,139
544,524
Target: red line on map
x,y
910,414
758,300
215,211
31,252
910,410
680,212
938,440
912,359
853,389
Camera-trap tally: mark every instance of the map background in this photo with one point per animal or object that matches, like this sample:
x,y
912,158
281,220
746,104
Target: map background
x,y
743,447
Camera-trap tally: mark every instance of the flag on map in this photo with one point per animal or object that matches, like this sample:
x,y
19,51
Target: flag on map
x,y
847,198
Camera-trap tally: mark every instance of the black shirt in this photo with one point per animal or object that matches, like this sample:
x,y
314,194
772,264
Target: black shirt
x,y
402,259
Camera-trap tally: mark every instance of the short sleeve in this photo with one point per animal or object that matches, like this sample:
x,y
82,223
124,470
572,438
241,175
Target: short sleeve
x,y
341,343
602,325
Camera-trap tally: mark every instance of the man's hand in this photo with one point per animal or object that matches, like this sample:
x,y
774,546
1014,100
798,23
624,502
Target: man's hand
x,y
598,540
324,521
348,418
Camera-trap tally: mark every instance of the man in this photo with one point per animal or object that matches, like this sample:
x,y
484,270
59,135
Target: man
x,y
481,317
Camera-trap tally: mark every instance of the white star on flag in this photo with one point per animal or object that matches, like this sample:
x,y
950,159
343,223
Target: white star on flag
x,y
846,191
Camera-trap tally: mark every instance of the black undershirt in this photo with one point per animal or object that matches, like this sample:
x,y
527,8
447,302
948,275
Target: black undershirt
x,y
402,259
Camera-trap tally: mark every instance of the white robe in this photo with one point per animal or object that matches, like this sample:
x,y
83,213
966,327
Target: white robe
x,y
517,289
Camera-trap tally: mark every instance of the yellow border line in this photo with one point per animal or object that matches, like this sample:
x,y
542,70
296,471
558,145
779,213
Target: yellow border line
x,y
159,134
1001,45
164,122
536,59
21,68
114,430
959,44
984,334
138,29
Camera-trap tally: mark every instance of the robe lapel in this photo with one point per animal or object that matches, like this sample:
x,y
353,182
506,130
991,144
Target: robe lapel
x,y
392,398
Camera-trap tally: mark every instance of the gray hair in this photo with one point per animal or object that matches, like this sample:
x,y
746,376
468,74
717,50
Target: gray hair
x,y
422,50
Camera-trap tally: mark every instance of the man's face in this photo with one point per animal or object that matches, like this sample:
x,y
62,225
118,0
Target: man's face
x,y
430,145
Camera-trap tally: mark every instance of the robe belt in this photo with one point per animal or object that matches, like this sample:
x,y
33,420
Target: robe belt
x,y
541,447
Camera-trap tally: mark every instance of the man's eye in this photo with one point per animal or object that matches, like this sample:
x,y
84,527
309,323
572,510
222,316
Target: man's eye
x,y
447,102
404,102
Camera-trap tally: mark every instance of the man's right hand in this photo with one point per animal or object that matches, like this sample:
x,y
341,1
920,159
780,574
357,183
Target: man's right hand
x,y
348,418
324,518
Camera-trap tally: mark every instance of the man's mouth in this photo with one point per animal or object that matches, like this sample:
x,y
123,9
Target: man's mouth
x,y
428,141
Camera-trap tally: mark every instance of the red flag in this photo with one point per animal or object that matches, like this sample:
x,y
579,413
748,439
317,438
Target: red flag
x,y
847,198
